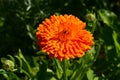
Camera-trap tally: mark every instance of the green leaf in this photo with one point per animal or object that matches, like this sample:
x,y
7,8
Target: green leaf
x,y
12,76
116,43
108,17
9,75
79,72
59,70
1,21
11,58
24,64
90,74
20,63
85,63
3,59
2,71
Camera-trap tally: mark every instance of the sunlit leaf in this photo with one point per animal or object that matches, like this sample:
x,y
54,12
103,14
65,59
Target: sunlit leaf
x,y
108,17
116,43
90,74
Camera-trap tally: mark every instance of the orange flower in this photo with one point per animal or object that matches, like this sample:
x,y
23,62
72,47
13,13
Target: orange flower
x,y
64,37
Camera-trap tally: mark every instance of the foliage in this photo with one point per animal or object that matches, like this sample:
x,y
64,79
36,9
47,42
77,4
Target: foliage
x,y
19,20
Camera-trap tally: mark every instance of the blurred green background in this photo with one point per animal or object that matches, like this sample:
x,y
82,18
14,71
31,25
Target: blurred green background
x,y
20,18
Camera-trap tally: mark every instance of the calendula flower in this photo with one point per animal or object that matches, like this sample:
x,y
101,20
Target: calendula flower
x,y
64,37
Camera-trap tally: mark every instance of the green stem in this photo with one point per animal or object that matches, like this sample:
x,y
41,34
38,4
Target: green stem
x,y
64,70
93,27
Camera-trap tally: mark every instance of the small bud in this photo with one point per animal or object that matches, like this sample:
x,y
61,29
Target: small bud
x,y
8,65
90,17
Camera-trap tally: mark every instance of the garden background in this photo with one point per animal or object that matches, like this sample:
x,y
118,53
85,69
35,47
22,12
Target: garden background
x,y
21,58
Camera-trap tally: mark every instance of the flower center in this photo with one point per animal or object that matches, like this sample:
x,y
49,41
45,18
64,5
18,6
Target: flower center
x,y
65,32
63,35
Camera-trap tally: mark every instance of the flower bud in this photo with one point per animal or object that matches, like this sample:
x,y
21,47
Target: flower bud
x,y
90,17
8,65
